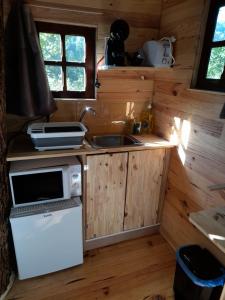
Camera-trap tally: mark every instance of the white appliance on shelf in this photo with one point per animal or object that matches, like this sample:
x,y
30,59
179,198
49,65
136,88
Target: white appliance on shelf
x,y
159,53
47,237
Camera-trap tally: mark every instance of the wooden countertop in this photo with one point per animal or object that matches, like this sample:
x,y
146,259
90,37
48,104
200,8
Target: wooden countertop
x,y
211,223
22,148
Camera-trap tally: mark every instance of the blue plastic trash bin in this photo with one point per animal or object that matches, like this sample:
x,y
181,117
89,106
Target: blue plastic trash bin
x,y
199,275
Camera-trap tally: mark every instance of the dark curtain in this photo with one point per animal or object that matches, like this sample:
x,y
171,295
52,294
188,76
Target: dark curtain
x,y
27,89
5,267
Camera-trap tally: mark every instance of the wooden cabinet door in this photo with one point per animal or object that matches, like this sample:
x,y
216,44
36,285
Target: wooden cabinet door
x,y
106,191
144,178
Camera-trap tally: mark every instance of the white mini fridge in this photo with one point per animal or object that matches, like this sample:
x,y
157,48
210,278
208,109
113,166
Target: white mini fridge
x,y
47,237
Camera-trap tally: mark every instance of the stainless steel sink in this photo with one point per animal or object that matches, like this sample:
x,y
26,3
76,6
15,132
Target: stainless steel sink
x,y
113,140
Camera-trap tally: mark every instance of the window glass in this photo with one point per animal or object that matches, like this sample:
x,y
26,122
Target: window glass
x,y
216,63
75,79
55,77
75,48
51,46
219,34
69,58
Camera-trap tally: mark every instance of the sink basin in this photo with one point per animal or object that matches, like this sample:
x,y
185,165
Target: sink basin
x,y
114,140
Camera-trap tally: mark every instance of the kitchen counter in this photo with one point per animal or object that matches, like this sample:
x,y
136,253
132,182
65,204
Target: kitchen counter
x,y
22,148
211,223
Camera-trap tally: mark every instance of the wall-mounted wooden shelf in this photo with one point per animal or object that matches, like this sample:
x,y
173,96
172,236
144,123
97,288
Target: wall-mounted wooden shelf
x,y
132,68
211,223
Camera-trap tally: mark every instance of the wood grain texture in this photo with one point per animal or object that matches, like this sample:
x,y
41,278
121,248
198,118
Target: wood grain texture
x,y
123,95
211,223
22,148
143,188
120,237
138,14
115,101
192,118
5,268
143,17
106,184
130,270
163,184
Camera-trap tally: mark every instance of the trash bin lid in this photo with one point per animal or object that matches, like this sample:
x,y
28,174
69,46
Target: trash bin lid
x,y
201,266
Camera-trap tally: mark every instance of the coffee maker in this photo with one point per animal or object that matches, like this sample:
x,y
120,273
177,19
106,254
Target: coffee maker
x,y
115,50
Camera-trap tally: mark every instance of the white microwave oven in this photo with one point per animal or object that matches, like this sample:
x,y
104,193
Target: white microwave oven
x,y
44,180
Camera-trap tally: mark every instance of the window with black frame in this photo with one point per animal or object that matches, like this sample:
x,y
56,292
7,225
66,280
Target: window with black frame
x,y
211,74
69,57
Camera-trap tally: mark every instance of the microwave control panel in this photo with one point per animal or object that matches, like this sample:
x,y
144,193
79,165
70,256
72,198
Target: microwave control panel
x,y
75,181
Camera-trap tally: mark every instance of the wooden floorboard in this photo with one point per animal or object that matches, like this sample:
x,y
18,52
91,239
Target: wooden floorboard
x,y
140,269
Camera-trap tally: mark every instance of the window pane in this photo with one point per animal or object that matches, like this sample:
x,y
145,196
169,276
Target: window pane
x,y
55,77
219,34
216,63
76,79
75,48
51,46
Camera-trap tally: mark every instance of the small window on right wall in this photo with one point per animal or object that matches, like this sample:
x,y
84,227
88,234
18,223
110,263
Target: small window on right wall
x,y
211,73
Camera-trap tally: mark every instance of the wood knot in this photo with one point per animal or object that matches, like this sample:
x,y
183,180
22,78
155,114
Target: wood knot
x,y
156,297
135,167
174,92
184,203
106,290
150,243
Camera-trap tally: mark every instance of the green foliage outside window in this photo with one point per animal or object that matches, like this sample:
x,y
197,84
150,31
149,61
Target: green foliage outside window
x,y
51,46
216,63
75,48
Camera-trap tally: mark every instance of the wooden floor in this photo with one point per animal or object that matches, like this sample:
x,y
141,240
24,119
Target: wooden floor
x,y
140,269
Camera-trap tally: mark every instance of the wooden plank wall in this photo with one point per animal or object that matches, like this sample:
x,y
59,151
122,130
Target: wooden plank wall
x,y
114,100
123,94
142,16
192,118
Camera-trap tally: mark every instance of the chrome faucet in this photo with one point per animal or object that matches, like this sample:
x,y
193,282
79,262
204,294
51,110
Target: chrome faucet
x,y
85,110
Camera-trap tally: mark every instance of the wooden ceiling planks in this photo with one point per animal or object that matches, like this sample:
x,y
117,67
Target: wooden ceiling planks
x,y
137,13
142,16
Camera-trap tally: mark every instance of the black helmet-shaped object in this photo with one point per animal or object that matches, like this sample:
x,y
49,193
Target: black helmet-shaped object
x,y
119,30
